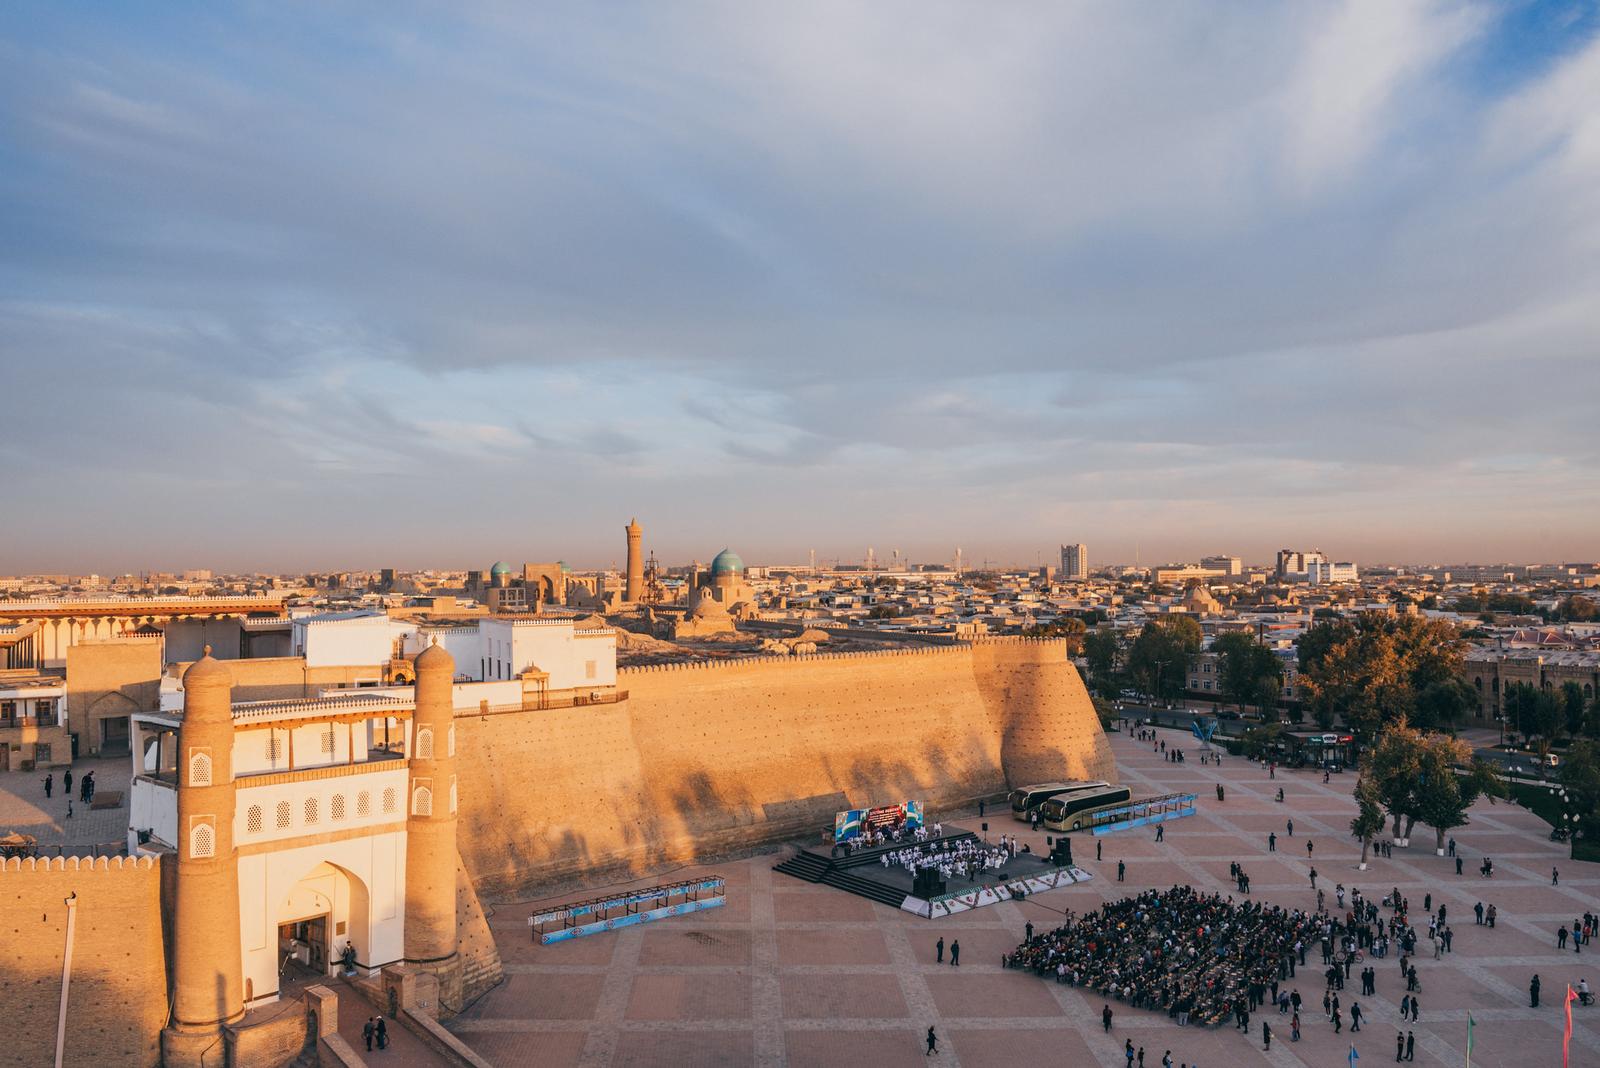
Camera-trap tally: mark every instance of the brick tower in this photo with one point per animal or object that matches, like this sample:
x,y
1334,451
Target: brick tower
x,y
635,587
207,971
430,940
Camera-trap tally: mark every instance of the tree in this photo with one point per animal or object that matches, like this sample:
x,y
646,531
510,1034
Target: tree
x,y
1580,775
1440,801
1577,609
1444,702
1249,672
1573,706
1161,655
1369,815
1537,713
1102,648
1372,671
1394,764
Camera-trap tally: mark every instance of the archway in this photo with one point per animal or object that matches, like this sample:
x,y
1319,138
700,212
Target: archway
x,y
327,907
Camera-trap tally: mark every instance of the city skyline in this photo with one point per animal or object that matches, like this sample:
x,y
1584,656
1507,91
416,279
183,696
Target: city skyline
x,y
298,290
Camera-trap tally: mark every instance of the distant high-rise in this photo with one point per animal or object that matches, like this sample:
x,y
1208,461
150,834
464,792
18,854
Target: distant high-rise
x,y
1228,565
1075,562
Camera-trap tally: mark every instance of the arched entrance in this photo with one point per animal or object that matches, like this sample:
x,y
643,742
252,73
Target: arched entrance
x,y
325,909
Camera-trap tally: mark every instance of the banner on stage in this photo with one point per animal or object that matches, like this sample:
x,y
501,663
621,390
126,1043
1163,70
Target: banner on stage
x,y
851,823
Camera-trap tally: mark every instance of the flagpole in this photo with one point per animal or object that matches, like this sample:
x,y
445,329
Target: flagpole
x,y
1566,1040
1470,1022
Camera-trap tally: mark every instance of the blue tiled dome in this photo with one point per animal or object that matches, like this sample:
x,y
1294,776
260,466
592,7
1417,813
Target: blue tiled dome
x,y
500,568
727,562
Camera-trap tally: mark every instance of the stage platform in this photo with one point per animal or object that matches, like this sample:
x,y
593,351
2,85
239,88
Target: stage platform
x,y
864,874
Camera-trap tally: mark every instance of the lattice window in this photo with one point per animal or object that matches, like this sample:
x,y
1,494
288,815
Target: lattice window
x,y
254,821
363,804
425,743
450,741
200,769
311,811
327,741
284,815
274,747
452,795
337,807
388,799
422,801
202,841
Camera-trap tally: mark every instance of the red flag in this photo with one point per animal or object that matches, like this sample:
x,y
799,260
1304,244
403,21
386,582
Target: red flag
x,y
1566,1040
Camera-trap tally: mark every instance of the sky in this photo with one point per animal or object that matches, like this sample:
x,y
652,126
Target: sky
x,y
301,286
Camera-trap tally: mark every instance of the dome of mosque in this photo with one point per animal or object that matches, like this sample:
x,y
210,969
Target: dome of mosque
x,y
566,568
500,568
727,562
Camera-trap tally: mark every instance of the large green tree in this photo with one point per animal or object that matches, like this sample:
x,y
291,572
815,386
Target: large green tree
x,y
1573,708
1373,670
1368,821
1161,655
1580,775
1248,672
1103,651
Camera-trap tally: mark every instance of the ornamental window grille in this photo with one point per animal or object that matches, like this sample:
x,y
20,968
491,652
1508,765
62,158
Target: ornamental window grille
x,y
363,804
422,801
283,815
202,841
327,741
274,747
388,799
425,743
254,822
336,807
200,769
311,811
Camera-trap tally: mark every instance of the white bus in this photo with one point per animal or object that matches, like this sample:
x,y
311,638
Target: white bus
x,y
1025,799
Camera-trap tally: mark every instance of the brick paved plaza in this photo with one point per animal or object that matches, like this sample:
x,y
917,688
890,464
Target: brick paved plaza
x,y
24,808
801,974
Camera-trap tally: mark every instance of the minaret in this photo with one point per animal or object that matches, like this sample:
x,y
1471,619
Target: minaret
x,y
207,969
635,588
431,827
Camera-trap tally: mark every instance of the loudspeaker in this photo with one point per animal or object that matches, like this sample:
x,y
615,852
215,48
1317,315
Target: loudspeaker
x,y
1061,853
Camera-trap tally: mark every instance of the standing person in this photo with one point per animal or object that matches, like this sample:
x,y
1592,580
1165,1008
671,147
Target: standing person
x,y
1122,871
66,781
383,1034
1105,1017
1355,1016
980,816
1266,1036
1458,865
938,951
1290,825
1313,878
1561,937
1272,842
1097,846
1310,845
49,784
1411,1045
367,1031
1028,931
1161,831
1533,992
955,952
1555,877
933,1039
1399,1046
1294,1027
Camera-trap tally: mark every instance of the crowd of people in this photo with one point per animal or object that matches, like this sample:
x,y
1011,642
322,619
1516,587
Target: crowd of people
x,y
1197,956
967,858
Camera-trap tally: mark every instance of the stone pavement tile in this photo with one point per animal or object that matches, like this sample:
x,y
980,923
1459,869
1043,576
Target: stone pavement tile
x,y
595,949
1269,871
652,1049
517,1049
690,997
1524,900
688,946
831,947
1472,942
534,997
1143,874
991,995
1008,1047
842,996
880,1049
979,945
831,904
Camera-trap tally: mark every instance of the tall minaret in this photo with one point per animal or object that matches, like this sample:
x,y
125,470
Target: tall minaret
x,y
635,588
431,827
207,968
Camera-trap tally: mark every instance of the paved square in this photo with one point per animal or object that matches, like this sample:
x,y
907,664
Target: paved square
x,y
795,974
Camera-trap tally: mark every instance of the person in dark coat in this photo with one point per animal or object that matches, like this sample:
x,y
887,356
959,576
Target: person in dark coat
x,y
1533,992
938,951
383,1034
49,784
955,952
933,1043
367,1031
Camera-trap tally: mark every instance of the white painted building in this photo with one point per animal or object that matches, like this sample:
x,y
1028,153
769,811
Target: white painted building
x,y
1322,572
568,658
342,639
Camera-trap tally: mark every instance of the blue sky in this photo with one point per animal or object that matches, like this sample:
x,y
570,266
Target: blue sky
x,y
299,286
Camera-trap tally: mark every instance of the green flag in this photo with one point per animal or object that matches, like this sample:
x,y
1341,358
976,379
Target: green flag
x,y
1469,1040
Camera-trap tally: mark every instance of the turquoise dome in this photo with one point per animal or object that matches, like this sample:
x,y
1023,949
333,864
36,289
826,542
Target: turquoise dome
x,y
566,568
727,562
500,568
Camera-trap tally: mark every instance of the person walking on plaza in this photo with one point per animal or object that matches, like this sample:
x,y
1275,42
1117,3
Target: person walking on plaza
x,y
938,951
1492,915
1555,877
367,1031
1290,824
1477,910
50,784
1161,832
1097,846
1313,878
1458,865
1272,842
1294,1028
1105,1017
1411,1045
1309,847
1122,871
1355,1016
933,1043
955,953
1028,931
1266,1036
1452,851
1561,937
1127,1051
383,1031
1533,992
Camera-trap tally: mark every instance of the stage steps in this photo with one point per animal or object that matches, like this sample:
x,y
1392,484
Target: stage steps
x,y
814,867
804,865
885,895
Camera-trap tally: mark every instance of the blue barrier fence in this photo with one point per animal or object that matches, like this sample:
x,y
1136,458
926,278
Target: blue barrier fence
x,y
1142,813
634,907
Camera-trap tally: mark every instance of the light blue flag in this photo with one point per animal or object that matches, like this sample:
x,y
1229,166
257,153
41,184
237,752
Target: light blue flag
x,y
1354,1056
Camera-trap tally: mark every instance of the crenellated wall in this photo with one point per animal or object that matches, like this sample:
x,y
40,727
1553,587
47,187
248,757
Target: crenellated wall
x,y
118,991
709,756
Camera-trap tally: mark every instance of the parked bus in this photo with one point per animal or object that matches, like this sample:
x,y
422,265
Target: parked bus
x,y
1027,798
1071,812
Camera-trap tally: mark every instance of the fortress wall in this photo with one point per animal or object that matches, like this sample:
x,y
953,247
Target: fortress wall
x,y
117,999
702,758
